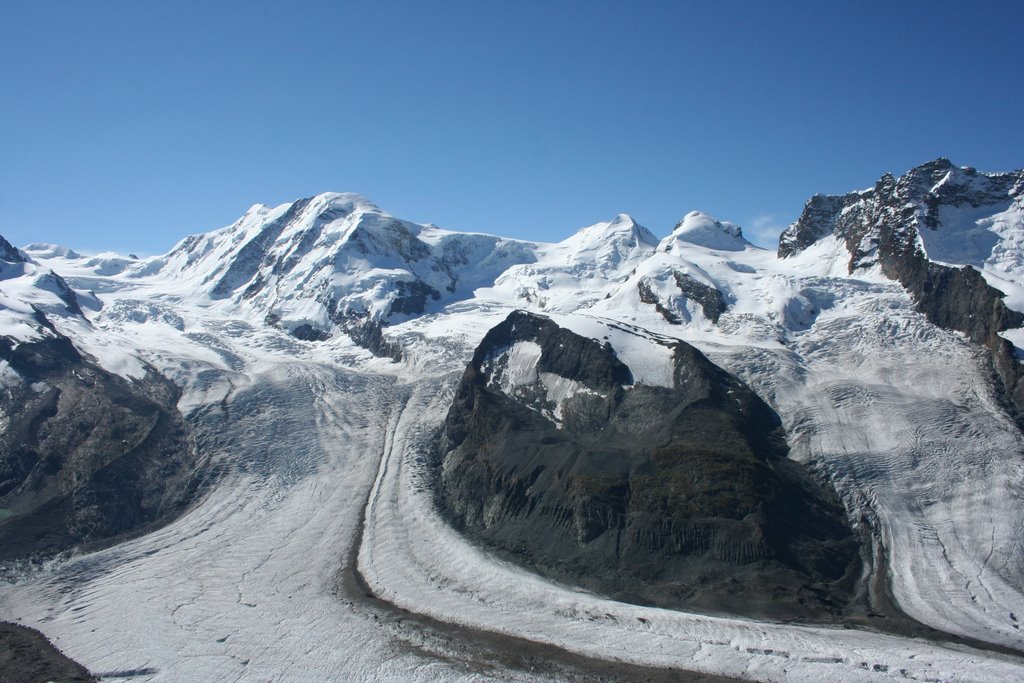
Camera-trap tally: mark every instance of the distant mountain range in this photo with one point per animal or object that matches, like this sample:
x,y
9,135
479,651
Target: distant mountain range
x,y
826,434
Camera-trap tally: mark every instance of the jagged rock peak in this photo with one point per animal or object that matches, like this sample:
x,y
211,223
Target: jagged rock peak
x,y
905,202
817,220
951,236
8,252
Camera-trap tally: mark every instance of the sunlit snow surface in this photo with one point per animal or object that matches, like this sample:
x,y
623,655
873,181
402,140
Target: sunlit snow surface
x,y
323,451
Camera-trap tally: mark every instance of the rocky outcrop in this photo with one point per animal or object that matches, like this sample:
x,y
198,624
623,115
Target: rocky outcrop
x,y
370,335
885,226
9,253
711,301
85,456
677,496
26,655
648,296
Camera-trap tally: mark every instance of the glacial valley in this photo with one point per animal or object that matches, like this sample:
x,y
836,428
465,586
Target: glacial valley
x,y
324,443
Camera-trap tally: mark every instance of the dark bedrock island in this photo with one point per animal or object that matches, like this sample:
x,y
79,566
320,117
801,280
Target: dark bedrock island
x,y
678,497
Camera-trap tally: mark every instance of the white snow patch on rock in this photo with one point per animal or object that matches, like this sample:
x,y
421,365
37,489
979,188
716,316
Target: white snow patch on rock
x,y
513,367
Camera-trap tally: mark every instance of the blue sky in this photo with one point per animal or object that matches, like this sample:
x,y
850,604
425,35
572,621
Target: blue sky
x,y
128,125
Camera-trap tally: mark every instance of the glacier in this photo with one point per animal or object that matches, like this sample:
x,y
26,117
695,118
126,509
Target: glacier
x,y
318,554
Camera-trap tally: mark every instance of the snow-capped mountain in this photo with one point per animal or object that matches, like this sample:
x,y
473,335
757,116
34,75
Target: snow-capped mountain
x,y
333,261
951,236
30,292
328,354
577,271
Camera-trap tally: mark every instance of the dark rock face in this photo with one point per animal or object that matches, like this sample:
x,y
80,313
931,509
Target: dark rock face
x,y
679,497
882,226
648,296
411,298
307,332
370,335
86,456
9,253
26,655
817,220
711,301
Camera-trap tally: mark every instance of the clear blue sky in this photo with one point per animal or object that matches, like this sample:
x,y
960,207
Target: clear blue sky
x,y
127,125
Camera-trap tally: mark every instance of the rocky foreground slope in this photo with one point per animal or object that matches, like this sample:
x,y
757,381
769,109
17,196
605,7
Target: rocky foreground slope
x,y
26,655
87,457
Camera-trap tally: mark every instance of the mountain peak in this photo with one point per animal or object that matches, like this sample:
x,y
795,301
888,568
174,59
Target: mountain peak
x,y
941,164
621,228
607,245
46,250
8,252
623,219
349,202
700,229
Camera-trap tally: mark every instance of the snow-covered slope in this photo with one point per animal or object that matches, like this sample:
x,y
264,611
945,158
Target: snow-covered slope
x,y
29,293
255,323
705,231
577,271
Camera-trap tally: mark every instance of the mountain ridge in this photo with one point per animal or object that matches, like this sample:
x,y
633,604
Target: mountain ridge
x,y
313,368
893,224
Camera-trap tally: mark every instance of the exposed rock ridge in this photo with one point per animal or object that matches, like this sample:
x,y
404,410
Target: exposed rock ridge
x,y
884,226
712,301
9,253
676,496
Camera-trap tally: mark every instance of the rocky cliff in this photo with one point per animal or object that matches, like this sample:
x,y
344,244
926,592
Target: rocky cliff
x,y
931,230
678,496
